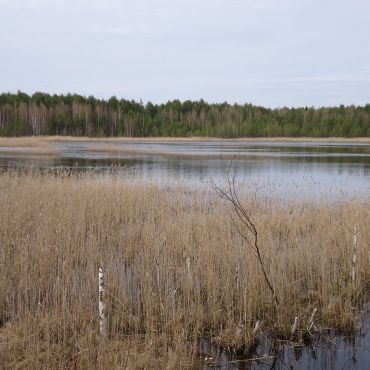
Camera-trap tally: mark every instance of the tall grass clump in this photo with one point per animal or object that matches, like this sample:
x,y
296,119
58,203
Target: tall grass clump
x,y
177,270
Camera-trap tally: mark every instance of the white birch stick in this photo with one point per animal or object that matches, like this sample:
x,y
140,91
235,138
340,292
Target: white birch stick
x,y
256,327
310,322
159,286
354,257
188,267
158,277
102,318
294,328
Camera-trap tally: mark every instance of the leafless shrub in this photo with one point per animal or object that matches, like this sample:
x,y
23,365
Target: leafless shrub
x,y
242,220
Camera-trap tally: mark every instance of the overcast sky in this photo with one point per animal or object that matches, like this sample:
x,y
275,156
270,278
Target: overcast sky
x,y
266,52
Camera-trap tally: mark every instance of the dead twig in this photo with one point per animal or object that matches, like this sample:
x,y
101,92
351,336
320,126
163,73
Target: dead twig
x,y
245,227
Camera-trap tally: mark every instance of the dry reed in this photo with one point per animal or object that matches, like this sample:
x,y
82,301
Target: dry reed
x,y
41,141
27,141
176,270
30,145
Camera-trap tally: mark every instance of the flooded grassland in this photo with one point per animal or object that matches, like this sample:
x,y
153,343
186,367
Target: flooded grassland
x,y
184,284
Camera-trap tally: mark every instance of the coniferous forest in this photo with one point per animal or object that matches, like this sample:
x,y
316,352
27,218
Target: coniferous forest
x,y
76,115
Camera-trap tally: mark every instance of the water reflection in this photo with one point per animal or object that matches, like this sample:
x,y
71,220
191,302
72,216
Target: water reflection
x,y
328,353
299,169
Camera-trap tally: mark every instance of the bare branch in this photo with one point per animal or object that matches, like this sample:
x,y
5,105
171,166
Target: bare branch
x,y
242,218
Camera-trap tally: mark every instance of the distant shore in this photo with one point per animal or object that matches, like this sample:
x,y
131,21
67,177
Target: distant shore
x,y
37,141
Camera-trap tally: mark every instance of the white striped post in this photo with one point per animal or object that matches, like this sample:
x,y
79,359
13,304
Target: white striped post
x,y
354,257
294,327
102,318
310,323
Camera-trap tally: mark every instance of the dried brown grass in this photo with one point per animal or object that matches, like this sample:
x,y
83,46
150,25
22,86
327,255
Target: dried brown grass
x,y
47,140
27,141
55,230
29,145
206,138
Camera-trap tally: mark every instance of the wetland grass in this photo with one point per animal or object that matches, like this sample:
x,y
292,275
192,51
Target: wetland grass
x,y
29,145
176,270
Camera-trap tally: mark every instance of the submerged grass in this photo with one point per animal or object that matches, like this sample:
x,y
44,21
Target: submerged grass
x,y
176,270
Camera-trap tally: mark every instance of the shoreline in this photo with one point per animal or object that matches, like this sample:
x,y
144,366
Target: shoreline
x,y
199,139
42,141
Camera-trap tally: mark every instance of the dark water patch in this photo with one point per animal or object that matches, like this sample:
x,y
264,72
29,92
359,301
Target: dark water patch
x,y
329,351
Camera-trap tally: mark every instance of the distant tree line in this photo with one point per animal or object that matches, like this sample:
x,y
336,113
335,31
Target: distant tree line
x,y
76,115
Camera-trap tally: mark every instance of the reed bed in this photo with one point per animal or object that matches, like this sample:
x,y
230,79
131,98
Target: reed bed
x,y
25,141
208,138
30,145
176,268
47,141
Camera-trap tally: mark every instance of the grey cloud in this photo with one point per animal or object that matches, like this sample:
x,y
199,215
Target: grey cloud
x,y
263,51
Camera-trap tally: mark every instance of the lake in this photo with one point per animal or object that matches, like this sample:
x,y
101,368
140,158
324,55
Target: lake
x,y
320,169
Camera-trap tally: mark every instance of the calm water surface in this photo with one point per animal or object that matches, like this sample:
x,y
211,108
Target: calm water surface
x,y
284,169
